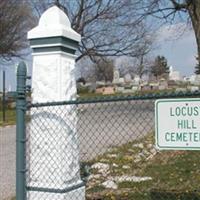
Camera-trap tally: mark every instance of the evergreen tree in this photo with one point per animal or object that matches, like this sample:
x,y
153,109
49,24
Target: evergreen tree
x,y
160,67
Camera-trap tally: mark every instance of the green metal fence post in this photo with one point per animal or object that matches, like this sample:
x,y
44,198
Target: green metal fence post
x,y
21,133
4,96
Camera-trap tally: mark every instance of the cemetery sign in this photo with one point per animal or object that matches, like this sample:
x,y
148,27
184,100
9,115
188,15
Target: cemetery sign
x,y
177,124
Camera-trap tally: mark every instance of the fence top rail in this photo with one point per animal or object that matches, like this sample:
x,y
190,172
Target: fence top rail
x,y
117,99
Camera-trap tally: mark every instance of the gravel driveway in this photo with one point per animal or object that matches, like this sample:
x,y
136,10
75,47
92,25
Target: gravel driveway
x,y
7,162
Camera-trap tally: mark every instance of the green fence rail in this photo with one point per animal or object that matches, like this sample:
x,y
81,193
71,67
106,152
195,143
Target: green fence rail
x,y
105,99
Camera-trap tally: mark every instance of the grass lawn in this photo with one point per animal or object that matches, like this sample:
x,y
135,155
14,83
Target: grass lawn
x,y
172,172
175,175
96,95
86,95
10,117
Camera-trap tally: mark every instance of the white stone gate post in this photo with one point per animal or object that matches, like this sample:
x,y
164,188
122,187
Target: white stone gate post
x,y
53,163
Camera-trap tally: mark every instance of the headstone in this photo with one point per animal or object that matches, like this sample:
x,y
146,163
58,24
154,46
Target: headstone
x,y
193,88
192,79
121,80
181,89
100,83
137,80
127,91
197,79
108,90
53,169
99,90
127,78
116,76
186,79
93,87
134,88
119,89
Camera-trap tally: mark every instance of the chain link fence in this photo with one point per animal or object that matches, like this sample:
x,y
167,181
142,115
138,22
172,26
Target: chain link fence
x,y
108,146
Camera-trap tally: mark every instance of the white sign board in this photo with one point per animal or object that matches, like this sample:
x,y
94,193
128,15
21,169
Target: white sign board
x,y
177,124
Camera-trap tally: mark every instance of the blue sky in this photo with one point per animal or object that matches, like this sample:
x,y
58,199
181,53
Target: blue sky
x,y
176,42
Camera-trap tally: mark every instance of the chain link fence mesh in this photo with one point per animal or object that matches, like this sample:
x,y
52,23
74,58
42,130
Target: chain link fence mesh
x,y
106,145
110,147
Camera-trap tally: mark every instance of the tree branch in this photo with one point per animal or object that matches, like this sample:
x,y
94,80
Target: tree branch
x,y
178,6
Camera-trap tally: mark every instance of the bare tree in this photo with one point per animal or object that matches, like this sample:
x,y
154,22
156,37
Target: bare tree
x,y
143,65
104,69
142,61
108,27
171,11
126,65
140,64
15,18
